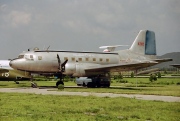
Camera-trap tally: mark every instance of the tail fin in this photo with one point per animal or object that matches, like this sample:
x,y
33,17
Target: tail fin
x,y
144,43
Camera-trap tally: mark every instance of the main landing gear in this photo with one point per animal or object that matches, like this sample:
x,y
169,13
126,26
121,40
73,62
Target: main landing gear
x,y
61,78
61,69
59,82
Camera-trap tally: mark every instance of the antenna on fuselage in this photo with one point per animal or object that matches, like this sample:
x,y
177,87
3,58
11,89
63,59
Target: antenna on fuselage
x,y
47,48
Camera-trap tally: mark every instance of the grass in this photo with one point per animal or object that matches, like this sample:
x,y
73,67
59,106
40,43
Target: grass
x,y
163,86
31,107
11,84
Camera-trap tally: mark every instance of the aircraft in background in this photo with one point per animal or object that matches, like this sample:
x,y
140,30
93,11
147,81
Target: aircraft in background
x,y
141,54
8,73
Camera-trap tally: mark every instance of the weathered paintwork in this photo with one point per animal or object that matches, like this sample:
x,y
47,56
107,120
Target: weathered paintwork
x,y
8,73
141,54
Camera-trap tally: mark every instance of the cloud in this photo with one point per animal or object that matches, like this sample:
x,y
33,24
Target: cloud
x,y
66,23
18,18
3,7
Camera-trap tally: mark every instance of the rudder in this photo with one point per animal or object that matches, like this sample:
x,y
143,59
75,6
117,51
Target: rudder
x,y
144,43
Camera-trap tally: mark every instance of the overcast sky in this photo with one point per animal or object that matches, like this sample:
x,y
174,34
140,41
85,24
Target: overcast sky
x,y
84,25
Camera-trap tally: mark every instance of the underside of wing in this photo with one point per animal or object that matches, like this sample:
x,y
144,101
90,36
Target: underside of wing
x,y
3,70
163,60
120,67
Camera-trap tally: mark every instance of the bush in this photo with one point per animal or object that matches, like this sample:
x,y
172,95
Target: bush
x,y
132,75
159,75
152,78
178,83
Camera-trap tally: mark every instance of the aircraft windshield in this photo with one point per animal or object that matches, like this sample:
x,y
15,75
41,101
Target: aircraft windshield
x,y
21,56
29,57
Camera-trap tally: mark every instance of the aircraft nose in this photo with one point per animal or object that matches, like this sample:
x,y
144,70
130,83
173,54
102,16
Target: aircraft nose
x,y
16,64
11,63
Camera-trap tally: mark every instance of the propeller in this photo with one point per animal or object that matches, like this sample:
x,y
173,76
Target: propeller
x,y
59,62
61,67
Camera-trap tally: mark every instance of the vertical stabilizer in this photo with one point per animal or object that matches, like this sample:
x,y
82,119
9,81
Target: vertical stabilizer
x,y
144,43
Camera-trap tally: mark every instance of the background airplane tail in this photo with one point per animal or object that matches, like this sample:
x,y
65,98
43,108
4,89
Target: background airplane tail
x,y
145,44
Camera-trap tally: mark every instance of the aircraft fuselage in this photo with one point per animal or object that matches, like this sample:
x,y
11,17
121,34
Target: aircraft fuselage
x,y
47,61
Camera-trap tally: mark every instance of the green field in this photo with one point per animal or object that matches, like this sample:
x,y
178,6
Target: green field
x,y
163,86
32,107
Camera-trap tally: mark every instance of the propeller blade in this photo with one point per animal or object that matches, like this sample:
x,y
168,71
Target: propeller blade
x,y
63,66
59,62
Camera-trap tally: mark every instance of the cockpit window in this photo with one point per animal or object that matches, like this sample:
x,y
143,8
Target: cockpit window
x,y
21,56
29,57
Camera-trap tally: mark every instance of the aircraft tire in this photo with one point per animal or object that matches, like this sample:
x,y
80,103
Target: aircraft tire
x,y
98,85
89,84
59,82
108,85
16,82
84,84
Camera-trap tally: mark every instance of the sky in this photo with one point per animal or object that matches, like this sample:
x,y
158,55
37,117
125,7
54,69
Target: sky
x,y
85,25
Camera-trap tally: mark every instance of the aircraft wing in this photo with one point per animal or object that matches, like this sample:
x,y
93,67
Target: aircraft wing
x,y
3,70
120,67
163,60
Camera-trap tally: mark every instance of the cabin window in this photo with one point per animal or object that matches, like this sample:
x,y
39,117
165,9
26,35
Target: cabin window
x,y
31,56
73,59
107,60
100,59
39,57
80,59
94,59
65,58
87,59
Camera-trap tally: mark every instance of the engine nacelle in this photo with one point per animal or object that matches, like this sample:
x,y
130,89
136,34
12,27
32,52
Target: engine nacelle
x,y
70,68
78,69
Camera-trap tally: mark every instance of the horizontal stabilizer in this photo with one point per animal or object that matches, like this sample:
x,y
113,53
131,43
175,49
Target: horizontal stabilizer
x,y
111,47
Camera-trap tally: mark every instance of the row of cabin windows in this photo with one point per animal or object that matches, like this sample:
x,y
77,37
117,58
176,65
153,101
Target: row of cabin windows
x,y
86,59
73,59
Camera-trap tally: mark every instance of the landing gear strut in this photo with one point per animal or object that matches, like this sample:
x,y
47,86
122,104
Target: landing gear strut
x,y
60,80
61,69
